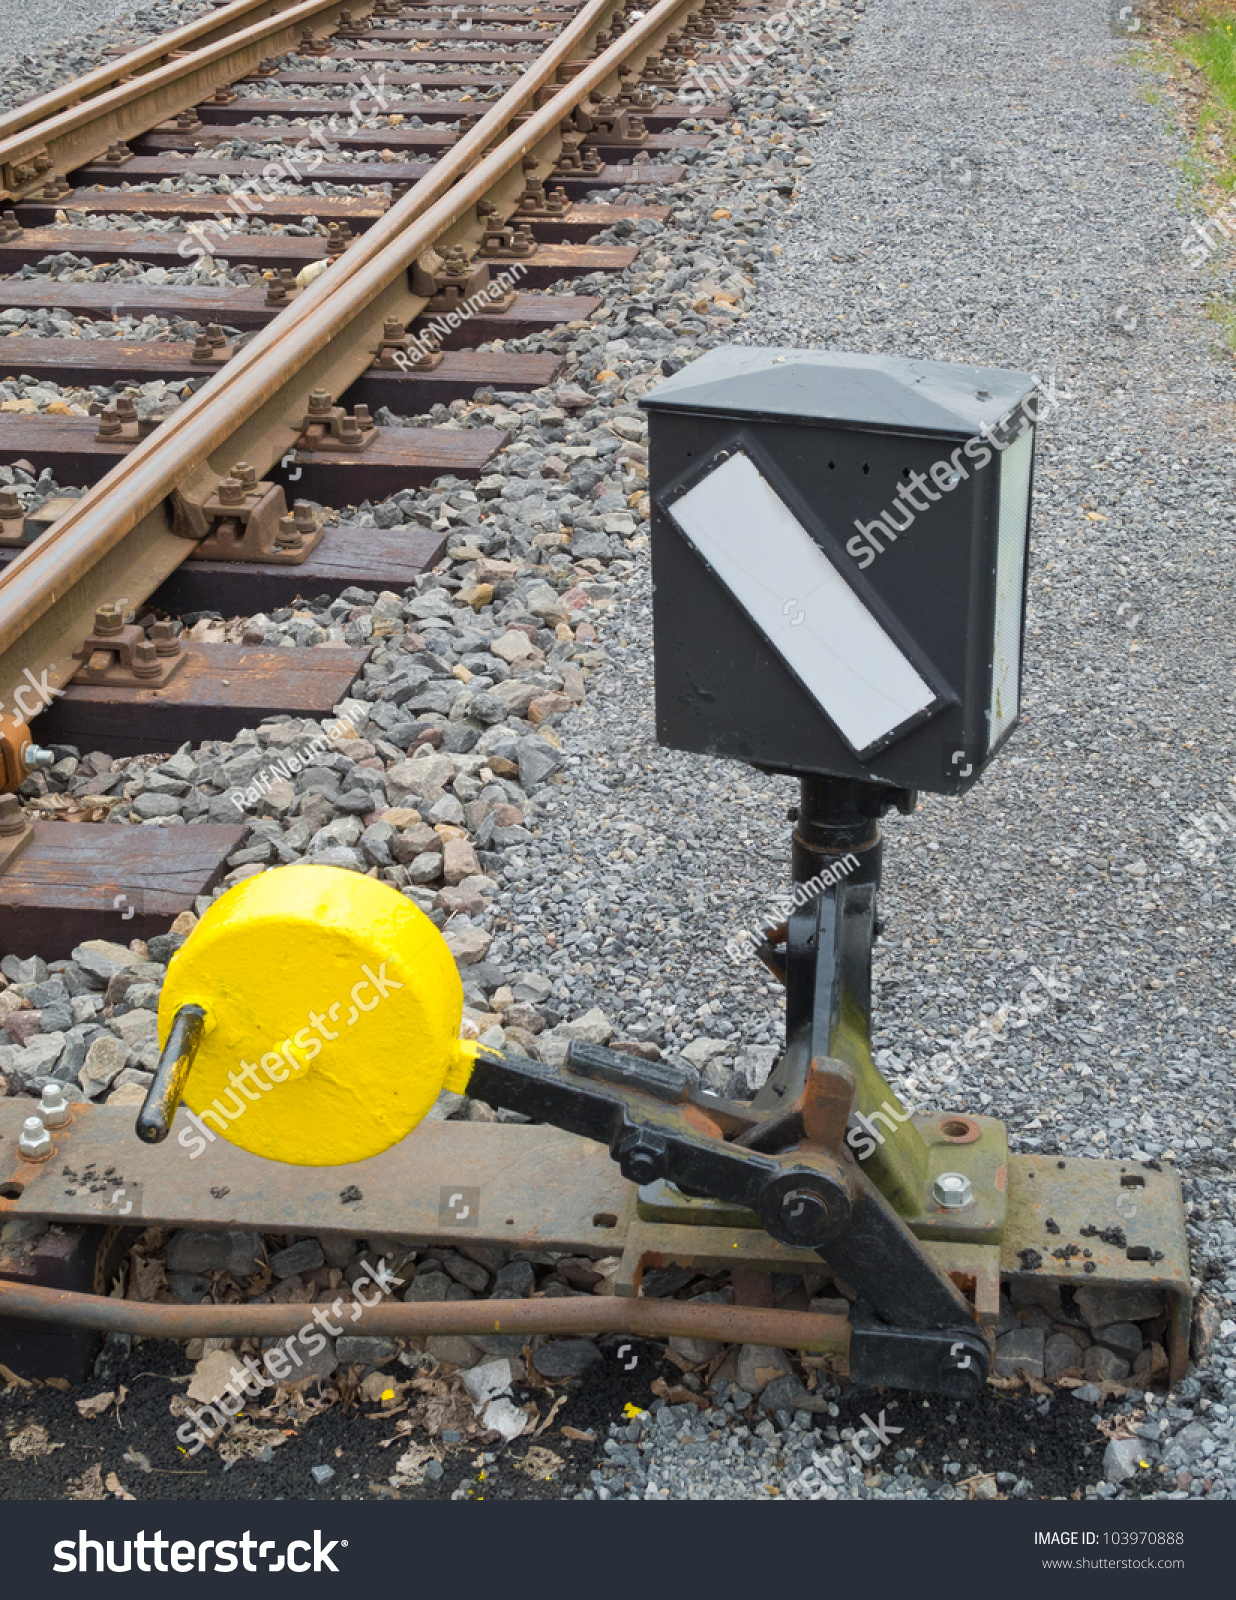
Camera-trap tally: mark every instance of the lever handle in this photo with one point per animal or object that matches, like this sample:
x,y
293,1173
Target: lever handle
x,y
154,1120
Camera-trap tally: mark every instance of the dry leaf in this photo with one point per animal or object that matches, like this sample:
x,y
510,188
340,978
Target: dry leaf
x,y
12,1380
678,1396
32,1441
147,1277
410,1468
96,1405
117,1488
89,1486
540,1462
213,1374
577,1434
60,1385
553,1412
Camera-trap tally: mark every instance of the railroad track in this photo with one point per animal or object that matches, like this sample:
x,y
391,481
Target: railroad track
x,y
346,205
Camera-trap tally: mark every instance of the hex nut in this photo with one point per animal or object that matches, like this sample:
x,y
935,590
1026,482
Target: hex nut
x,y
952,1190
53,1107
35,1143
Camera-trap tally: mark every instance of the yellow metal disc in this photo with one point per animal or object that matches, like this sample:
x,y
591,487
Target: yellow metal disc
x,y
333,1009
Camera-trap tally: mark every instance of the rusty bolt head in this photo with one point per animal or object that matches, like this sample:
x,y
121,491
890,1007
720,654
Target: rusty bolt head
x,y
12,819
201,347
146,660
10,504
108,620
244,473
126,410
215,335
320,401
363,419
53,1107
288,536
35,1143
109,422
163,637
231,492
392,329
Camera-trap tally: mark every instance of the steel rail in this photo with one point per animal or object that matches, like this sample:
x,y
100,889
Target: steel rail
x,y
810,1331
116,543
204,30
81,133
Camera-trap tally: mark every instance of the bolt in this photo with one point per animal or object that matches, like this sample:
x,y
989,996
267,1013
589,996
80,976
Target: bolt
x,y
201,348
952,1191
109,423
53,1107
108,620
11,818
146,660
244,473
34,756
35,1142
320,401
10,504
231,492
802,1215
288,536
215,336
163,637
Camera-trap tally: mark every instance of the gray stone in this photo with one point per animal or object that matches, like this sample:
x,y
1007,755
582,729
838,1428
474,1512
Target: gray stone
x,y
1021,1349
189,1288
37,1059
565,1358
759,1365
105,1060
1099,1364
515,1281
1125,1457
210,1250
136,1028
1060,1354
429,1286
321,1475
470,1273
1101,1305
1122,1337
358,1349
30,969
100,960
454,1349
303,1256
789,1394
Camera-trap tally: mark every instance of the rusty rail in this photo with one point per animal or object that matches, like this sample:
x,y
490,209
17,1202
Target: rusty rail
x,y
117,540
594,1314
204,30
79,133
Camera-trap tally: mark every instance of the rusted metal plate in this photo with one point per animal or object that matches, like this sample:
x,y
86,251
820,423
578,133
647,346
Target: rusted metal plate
x,y
400,458
356,210
425,78
524,1187
1113,1223
88,880
220,689
369,558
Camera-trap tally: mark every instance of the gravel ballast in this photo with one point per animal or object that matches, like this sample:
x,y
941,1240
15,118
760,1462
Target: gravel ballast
x,y
1019,213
